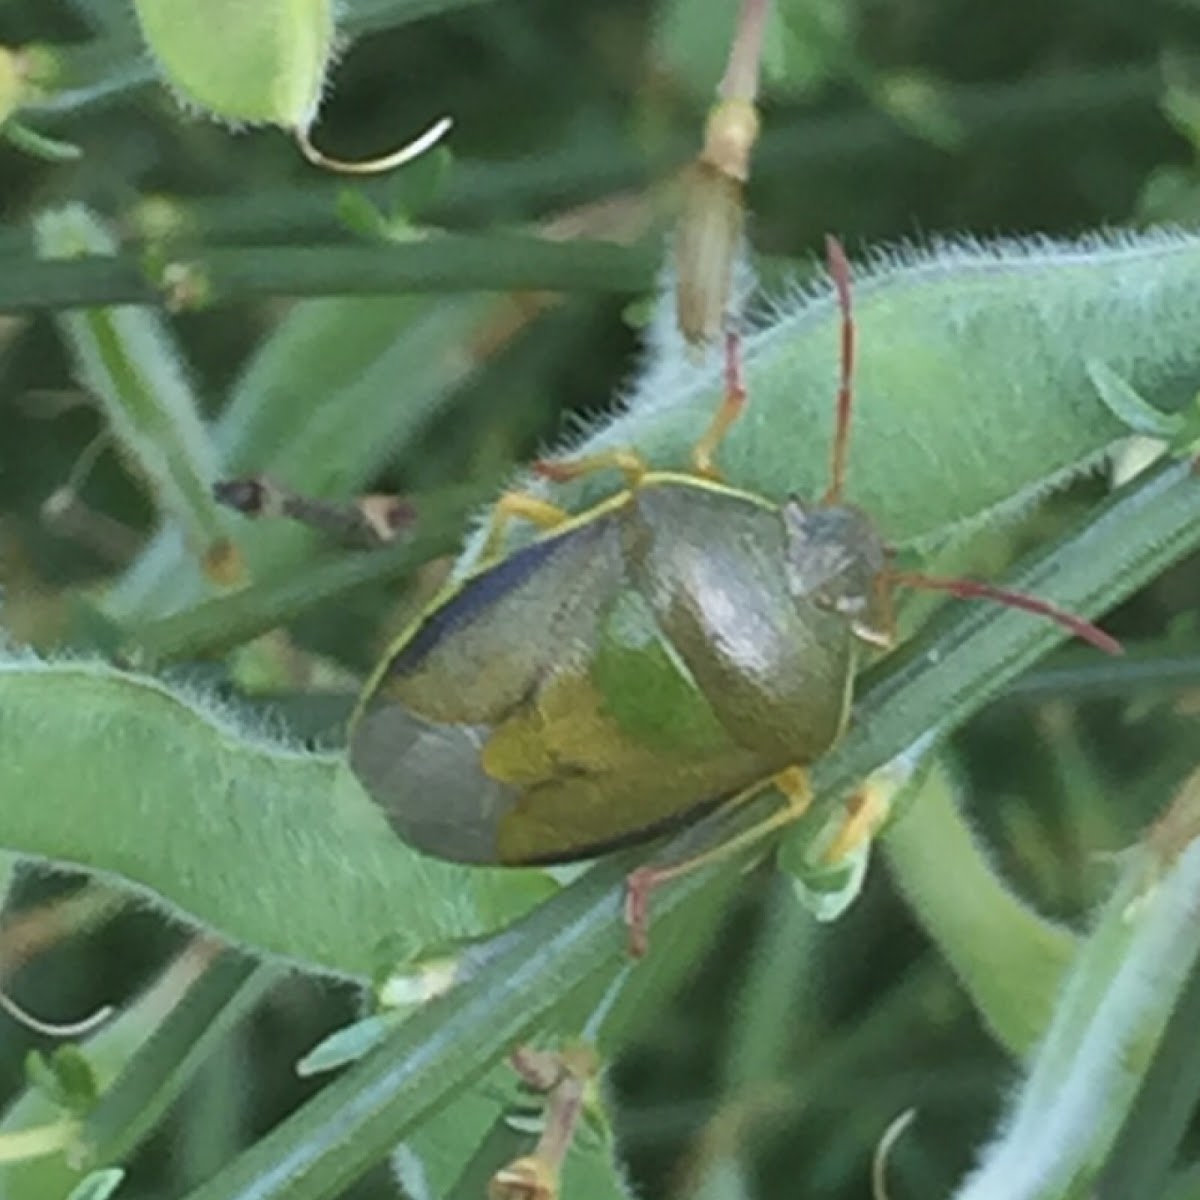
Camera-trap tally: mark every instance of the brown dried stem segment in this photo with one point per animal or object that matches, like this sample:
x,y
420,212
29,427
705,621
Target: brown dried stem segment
x,y
566,1077
366,521
709,239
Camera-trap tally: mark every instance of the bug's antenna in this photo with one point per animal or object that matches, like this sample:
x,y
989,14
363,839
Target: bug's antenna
x,y
839,269
972,589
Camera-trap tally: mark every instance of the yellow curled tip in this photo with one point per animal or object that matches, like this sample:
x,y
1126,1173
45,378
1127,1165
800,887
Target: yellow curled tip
x,y
374,166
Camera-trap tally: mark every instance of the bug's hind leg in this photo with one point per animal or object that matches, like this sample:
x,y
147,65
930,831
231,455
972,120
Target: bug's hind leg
x,y
519,506
525,506
634,467
631,464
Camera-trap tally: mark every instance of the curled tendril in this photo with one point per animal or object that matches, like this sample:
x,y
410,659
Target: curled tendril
x,y
374,166
891,1135
72,1029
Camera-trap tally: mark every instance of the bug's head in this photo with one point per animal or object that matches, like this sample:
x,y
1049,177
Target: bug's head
x,y
836,559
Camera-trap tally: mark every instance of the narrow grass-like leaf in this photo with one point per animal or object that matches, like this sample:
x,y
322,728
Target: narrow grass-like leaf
x,y
156,1074
127,360
1159,1117
50,149
1109,1020
222,274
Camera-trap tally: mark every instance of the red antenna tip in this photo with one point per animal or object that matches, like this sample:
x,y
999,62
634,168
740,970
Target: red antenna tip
x,y
971,589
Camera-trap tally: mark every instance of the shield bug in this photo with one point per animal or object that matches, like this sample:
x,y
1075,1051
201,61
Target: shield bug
x,y
676,644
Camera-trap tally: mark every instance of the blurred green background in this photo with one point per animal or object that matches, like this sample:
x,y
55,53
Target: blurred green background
x,y
884,120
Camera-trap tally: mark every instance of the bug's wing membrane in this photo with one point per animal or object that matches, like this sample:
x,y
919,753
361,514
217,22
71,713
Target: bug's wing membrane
x,y
428,780
419,746
778,671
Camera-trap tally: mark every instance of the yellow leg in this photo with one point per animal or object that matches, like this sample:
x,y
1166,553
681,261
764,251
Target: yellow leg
x,y
792,782
732,403
866,811
628,462
519,506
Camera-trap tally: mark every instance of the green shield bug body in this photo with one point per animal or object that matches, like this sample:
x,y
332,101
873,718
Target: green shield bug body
x,y
676,644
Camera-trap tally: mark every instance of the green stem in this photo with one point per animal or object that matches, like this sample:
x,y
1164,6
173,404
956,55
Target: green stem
x,y
442,264
1073,675
1107,1027
1141,1160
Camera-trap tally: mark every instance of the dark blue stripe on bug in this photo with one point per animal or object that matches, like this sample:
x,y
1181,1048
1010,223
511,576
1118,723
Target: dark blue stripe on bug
x,y
477,598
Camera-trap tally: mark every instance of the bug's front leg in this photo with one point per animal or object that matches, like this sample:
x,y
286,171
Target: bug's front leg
x,y
793,782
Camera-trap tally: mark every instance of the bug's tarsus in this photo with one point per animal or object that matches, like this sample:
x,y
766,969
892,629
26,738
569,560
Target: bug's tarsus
x,y
973,589
839,270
